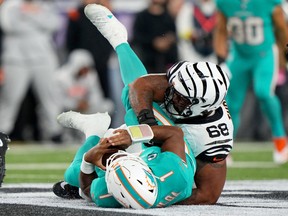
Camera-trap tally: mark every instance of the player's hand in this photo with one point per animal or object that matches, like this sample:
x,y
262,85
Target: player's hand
x,y
121,139
95,154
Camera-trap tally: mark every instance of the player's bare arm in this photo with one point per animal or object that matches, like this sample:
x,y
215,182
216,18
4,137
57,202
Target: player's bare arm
x,y
171,136
147,89
94,158
220,36
281,31
85,182
209,179
95,154
173,139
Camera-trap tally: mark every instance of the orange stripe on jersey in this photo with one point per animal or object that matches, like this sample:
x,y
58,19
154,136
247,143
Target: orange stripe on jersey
x,y
162,178
161,118
186,148
105,196
165,121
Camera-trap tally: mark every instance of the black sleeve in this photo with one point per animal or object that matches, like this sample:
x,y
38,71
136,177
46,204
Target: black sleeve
x,y
72,35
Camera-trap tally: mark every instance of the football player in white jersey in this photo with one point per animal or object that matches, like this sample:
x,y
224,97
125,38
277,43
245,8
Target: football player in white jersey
x,y
192,94
196,104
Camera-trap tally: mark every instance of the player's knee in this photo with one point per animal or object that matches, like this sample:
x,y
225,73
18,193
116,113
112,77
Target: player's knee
x,y
262,94
71,177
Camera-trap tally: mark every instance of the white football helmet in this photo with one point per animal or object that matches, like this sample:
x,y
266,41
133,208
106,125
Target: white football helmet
x,y
201,86
131,181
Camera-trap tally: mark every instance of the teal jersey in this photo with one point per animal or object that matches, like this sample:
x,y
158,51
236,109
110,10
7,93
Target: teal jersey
x,y
250,23
175,179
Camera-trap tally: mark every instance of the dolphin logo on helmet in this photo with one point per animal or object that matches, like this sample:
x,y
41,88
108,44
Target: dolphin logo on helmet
x,y
130,181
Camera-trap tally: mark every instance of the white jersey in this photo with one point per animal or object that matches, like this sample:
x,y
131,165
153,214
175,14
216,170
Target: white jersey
x,y
210,138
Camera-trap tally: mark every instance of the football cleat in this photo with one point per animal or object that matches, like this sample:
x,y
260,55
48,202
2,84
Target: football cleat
x,y
64,190
107,24
89,124
280,157
4,139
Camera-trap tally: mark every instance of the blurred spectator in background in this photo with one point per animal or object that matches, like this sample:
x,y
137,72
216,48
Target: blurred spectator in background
x,y
253,118
253,59
1,71
81,34
174,7
29,57
154,37
79,89
195,25
282,82
79,85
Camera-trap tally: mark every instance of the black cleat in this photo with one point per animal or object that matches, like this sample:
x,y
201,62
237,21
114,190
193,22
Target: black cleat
x,y
4,139
64,190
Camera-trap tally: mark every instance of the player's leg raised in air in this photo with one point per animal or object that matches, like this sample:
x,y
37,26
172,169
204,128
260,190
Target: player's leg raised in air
x,y
131,66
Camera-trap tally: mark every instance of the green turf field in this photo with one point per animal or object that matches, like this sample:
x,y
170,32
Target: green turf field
x,y
46,163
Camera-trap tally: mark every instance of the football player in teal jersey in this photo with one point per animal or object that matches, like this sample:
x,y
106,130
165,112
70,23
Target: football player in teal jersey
x,y
152,176
190,93
208,127
143,180
253,27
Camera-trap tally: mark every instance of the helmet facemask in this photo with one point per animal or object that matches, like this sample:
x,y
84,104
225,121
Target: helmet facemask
x,y
180,106
196,89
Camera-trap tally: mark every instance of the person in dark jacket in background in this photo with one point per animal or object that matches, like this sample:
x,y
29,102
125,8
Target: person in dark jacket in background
x,y
81,34
155,37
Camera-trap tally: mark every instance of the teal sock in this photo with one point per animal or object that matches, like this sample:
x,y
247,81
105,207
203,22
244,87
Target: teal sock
x,y
131,66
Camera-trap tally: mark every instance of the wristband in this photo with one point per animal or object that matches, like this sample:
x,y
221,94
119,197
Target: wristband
x,y
140,133
146,116
86,168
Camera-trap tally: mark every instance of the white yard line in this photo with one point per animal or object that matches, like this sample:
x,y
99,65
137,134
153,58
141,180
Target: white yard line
x,y
253,164
60,166
37,166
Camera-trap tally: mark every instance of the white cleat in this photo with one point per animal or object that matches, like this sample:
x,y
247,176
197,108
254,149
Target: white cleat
x,y
109,26
280,157
89,124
